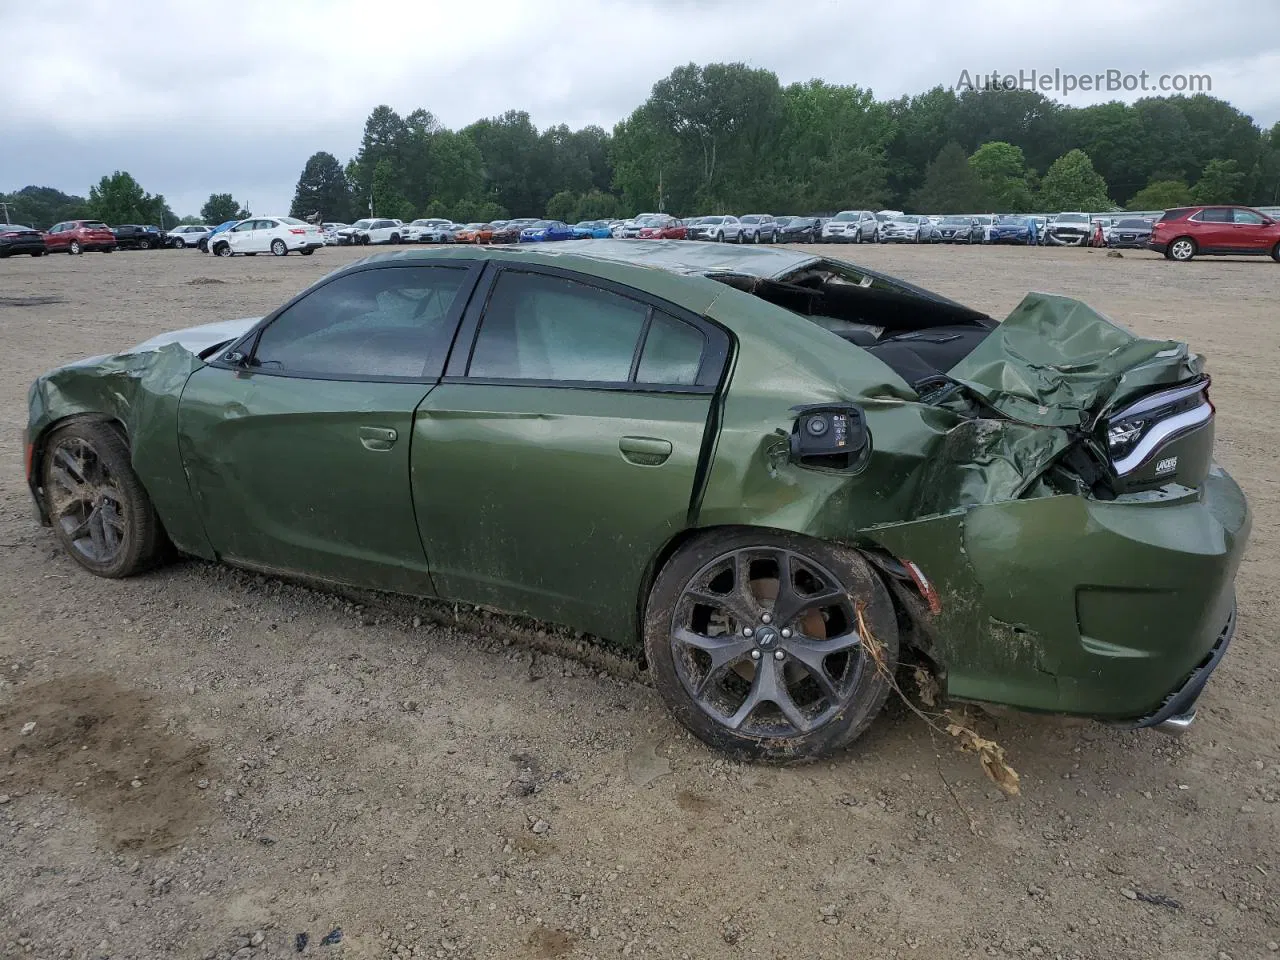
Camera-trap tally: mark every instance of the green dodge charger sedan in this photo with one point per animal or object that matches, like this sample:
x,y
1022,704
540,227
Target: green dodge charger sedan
x,y
780,475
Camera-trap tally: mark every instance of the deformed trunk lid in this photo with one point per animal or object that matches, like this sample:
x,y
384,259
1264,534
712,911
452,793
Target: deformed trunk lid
x,y
1055,362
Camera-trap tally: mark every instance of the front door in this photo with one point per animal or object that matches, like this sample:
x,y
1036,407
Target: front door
x,y
1251,231
552,465
240,237
298,454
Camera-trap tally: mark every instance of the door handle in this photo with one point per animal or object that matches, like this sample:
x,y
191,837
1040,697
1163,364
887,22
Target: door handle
x,y
645,451
377,438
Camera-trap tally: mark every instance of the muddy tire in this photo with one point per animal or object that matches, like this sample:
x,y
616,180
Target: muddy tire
x,y
752,639
100,511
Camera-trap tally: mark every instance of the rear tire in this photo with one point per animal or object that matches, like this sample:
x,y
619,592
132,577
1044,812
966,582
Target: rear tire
x,y
73,248
785,690
1181,249
101,512
307,252
144,244
279,249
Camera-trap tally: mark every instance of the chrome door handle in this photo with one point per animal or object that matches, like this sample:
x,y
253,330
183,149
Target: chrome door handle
x,y
645,451
378,438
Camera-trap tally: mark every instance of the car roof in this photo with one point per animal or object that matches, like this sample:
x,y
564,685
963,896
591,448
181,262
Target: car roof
x,y
675,270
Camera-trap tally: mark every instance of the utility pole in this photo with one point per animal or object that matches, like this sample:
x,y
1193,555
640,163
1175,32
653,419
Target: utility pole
x,y
6,213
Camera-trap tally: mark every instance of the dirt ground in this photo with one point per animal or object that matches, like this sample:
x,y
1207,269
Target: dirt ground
x,y
223,763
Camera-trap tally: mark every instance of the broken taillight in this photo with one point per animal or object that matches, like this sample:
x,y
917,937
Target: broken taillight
x,y
925,587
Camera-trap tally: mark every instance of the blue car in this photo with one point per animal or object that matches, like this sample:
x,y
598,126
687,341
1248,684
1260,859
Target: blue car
x,y
203,245
1015,229
592,230
546,230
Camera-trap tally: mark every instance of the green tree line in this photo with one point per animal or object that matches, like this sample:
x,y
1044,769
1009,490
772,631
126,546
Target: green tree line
x,y
729,138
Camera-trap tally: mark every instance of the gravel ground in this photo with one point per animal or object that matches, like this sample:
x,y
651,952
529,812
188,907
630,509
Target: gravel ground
x,y
223,764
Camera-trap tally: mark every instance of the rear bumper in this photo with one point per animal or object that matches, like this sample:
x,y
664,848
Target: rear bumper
x,y
1118,611
1157,246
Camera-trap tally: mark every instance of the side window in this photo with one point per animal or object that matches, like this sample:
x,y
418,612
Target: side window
x,y
1214,215
242,227
672,352
376,323
1247,216
539,327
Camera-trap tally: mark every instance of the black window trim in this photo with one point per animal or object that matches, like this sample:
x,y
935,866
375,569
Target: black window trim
x,y
248,343
715,353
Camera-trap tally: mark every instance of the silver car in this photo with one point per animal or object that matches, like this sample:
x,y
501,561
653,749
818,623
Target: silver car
x,y
713,228
904,228
188,236
852,226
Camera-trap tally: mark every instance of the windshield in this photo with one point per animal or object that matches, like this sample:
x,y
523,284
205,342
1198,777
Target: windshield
x,y
955,221
1072,218
539,225
713,220
95,225
363,224
907,218
845,215
751,219
1133,224
294,220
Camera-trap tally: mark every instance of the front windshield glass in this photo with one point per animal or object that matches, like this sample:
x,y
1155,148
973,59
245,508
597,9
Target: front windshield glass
x,y
845,215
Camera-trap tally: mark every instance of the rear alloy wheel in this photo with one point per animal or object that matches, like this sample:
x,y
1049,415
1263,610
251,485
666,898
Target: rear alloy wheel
x,y
754,642
279,249
144,244
73,247
1182,249
100,511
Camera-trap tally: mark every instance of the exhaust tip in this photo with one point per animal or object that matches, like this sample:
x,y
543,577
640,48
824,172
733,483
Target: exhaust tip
x,y
1176,726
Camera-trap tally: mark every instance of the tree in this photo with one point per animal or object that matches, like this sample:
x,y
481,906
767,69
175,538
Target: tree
x,y
831,153
322,189
1221,182
922,125
120,199
597,205
1161,195
388,201
42,207
1071,183
1002,170
950,185
220,207
563,206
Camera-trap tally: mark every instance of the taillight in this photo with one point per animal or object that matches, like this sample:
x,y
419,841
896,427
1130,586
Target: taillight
x,y
30,460
297,230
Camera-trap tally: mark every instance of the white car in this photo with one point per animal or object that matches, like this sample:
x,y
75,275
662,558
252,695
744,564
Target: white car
x,y
852,226
188,236
331,229
413,231
275,235
751,228
905,228
372,230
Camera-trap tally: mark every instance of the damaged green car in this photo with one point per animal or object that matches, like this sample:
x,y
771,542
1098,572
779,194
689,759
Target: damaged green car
x,y
781,475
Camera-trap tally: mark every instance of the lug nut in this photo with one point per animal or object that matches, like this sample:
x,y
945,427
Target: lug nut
x,y
766,618
747,631
786,633
755,654
778,654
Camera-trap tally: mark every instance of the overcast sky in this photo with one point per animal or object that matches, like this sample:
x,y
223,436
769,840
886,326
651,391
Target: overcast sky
x,y
234,95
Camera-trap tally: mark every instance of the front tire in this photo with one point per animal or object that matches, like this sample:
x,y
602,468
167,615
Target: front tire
x,y
395,238
179,243
279,249
222,250
1182,249
1275,253
100,511
753,641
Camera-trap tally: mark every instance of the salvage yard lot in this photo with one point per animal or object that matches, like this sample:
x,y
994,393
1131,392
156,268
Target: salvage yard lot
x,y
222,762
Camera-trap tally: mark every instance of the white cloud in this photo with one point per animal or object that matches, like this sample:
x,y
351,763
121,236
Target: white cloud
x,y
235,95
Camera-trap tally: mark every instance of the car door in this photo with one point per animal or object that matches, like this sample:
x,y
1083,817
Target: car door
x,y
1214,230
240,237
296,440
1249,231
54,238
562,448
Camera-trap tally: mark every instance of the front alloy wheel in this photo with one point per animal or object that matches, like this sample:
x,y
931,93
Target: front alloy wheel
x,y
755,643
99,509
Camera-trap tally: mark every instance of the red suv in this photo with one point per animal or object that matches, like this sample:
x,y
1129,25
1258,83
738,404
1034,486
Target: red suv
x,y
77,236
1184,232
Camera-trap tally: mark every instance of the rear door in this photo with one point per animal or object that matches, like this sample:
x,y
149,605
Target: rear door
x,y
298,454
562,448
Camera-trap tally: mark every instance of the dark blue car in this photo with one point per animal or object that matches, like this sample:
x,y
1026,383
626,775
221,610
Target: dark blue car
x,y
546,230
1014,229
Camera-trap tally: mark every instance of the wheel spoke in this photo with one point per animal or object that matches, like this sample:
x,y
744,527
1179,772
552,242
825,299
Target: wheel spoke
x,y
723,651
732,603
769,686
812,655
96,535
